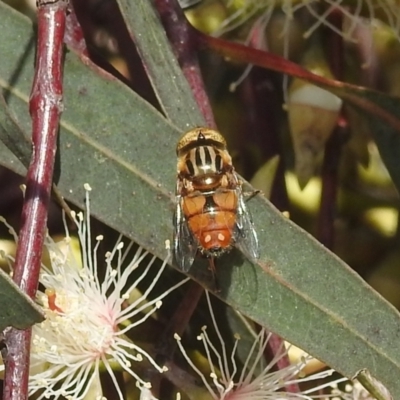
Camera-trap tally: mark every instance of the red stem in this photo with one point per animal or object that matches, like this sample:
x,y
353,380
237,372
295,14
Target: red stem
x,y
239,52
335,45
179,320
45,109
177,323
275,347
330,167
180,34
263,108
329,176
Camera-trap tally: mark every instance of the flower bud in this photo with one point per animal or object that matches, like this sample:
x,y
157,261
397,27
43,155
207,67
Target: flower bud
x,y
313,114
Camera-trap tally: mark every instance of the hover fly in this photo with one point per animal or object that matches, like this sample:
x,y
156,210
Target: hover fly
x,y
211,214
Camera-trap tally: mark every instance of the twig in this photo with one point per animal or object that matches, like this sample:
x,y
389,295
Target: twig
x,y
275,347
45,108
329,177
178,321
330,167
263,107
180,34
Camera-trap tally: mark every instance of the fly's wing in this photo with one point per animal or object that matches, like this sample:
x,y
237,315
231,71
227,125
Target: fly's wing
x,y
185,244
245,234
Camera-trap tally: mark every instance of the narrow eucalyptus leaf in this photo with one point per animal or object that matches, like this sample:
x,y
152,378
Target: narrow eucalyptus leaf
x,y
171,88
16,308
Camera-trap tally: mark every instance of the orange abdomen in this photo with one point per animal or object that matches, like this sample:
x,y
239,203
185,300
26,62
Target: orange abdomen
x,y
212,219
213,231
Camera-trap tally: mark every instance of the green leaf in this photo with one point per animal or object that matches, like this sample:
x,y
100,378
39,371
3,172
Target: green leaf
x,y
125,149
12,135
172,91
17,309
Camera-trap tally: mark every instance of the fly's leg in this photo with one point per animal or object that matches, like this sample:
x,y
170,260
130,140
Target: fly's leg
x,y
211,267
250,195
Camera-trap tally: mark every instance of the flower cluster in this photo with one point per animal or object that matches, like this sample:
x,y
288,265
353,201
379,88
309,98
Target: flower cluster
x,y
87,320
256,380
364,13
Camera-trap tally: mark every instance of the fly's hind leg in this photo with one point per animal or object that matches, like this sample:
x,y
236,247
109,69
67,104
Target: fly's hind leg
x,y
248,195
211,267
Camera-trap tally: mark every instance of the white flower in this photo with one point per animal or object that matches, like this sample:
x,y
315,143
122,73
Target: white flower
x,y
256,380
356,15
87,319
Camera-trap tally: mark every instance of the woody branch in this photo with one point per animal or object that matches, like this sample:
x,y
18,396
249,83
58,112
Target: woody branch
x,y
45,107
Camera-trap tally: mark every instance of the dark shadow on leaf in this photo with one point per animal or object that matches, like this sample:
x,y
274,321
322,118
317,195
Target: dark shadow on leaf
x,y
19,66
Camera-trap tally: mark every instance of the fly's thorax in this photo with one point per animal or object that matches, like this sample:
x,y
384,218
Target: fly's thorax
x,y
205,161
206,183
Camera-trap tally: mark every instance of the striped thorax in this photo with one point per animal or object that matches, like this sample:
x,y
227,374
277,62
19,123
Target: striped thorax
x,y
203,159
